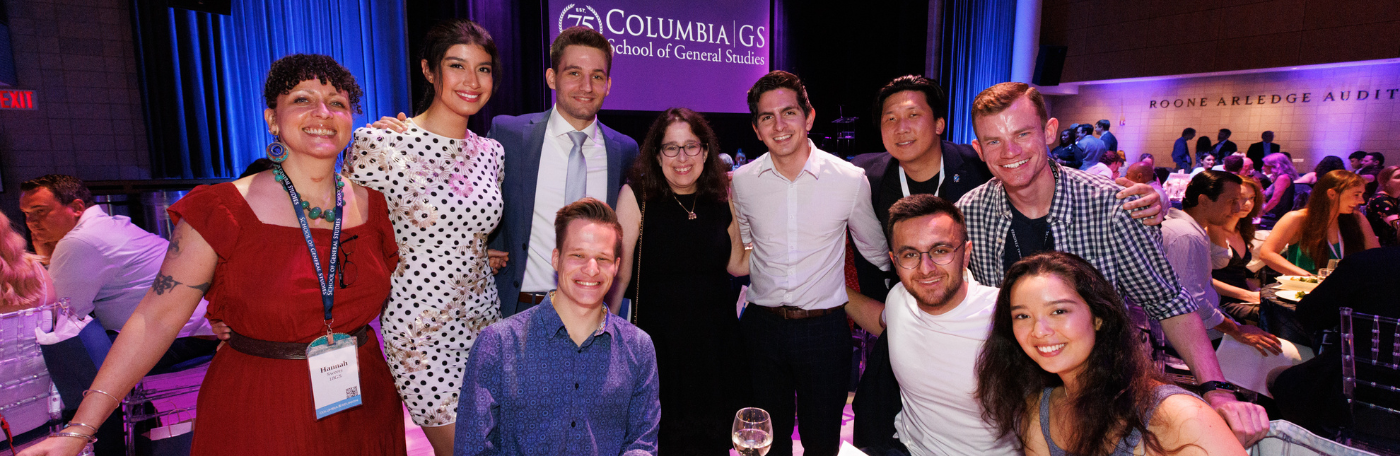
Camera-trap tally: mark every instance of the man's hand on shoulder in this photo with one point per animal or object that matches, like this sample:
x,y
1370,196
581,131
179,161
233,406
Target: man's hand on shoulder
x,y
399,124
1147,207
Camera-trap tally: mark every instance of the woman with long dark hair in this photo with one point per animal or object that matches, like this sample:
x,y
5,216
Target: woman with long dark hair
x,y
443,185
1238,297
1063,371
1329,228
680,250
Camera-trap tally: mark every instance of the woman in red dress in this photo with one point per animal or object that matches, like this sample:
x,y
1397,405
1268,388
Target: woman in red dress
x,y
242,244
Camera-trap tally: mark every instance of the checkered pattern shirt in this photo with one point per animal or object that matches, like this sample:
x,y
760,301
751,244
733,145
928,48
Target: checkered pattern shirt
x,y
1086,219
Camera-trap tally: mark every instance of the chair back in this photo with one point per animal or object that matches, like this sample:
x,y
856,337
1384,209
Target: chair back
x,y
1371,373
26,391
1301,193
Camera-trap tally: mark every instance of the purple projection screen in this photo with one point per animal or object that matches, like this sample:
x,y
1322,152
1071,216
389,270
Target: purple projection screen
x,y
670,53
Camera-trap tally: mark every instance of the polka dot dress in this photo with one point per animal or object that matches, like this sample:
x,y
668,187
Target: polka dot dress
x,y
444,199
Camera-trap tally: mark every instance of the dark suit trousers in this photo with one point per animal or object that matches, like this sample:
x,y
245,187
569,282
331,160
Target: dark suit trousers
x,y
877,399
809,357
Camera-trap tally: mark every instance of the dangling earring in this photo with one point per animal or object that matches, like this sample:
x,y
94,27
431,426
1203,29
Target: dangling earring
x,y
276,151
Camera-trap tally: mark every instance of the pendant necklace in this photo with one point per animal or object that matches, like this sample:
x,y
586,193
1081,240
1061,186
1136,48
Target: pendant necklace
x,y
689,212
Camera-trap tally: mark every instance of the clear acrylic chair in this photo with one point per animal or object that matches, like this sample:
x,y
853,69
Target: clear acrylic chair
x,y
1370,349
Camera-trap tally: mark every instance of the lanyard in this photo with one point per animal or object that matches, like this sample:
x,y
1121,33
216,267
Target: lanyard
x,y
904,181
327,282
1340,242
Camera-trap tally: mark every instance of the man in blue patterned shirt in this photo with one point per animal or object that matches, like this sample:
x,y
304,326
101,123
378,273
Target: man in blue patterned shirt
x,y
1033,205
566,376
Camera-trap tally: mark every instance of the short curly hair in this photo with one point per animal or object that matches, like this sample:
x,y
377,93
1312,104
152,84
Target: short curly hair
x,y
291,70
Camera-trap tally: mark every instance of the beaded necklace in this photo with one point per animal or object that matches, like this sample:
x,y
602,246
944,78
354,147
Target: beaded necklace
x,y
312,212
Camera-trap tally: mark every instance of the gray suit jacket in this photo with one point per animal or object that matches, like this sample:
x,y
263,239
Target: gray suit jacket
x,y
523,138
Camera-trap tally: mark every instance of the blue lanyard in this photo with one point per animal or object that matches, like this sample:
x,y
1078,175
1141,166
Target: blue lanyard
x,y
327,282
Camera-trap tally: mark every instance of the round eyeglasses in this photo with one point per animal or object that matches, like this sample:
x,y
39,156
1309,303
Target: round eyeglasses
x,y
941,255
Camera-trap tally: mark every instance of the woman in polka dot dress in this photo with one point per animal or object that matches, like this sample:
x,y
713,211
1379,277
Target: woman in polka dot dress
x,y
443,186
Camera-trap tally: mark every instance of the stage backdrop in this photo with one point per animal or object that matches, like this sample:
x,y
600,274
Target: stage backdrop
x,y
701,55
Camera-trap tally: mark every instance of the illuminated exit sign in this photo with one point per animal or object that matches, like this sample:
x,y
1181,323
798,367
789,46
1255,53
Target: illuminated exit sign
x,y
17,99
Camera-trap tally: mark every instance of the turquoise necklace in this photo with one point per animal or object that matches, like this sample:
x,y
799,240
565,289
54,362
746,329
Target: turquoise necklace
x,y
312,212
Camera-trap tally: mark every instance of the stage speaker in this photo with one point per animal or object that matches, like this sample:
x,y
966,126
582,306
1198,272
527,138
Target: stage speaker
x,y
224,7
1049,63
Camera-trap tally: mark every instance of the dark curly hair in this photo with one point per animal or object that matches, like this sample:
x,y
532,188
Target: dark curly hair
x,y
646,176
450,33
291,70
1328,164
1118,380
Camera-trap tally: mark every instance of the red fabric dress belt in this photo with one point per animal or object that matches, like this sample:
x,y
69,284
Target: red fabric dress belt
x,y
282,350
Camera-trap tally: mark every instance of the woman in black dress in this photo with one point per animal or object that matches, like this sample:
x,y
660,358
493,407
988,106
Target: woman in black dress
x,y
681,249
1238,297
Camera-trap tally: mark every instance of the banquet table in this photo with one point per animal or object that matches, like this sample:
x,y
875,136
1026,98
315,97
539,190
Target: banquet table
x,y
1279,317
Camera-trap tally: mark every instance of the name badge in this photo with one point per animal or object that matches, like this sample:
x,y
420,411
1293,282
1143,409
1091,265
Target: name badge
x,y
335,373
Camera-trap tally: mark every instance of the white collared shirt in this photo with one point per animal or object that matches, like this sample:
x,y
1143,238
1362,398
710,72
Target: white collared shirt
x,y
549,193
105,265
798,229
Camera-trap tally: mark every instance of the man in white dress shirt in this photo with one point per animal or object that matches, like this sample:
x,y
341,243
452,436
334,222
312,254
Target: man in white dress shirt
x,y
795,204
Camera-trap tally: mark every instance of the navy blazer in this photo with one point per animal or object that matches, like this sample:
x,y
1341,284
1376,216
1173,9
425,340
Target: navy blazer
x,y
523,139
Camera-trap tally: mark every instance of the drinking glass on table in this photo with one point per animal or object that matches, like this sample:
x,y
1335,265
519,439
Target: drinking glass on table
x,y
753,432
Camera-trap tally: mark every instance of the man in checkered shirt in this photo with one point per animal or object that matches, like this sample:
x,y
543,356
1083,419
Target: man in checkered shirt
x,y
1033,205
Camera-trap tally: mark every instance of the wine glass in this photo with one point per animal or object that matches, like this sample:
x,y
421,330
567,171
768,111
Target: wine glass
x,y
753,432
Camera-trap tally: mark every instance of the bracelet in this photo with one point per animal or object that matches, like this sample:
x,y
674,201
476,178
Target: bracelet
x,y
104,393
75,423
87,437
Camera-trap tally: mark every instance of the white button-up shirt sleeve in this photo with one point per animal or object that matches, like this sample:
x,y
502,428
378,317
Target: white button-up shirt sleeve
x,y
866,232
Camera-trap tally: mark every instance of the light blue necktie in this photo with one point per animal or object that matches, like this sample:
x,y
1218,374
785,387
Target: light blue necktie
x,y
576,180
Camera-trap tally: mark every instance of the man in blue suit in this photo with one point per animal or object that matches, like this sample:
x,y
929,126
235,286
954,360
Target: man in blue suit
x,y
553,158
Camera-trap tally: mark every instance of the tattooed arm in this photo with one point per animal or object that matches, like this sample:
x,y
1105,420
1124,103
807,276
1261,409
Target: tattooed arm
x,y
183,279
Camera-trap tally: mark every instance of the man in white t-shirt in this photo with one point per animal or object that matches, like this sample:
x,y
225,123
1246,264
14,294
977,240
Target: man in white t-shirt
x,y
937,320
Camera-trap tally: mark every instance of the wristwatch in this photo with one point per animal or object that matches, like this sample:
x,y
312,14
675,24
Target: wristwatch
x,y
1216,385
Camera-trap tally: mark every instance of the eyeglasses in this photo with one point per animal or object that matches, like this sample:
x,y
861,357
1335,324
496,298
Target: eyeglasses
x,y
672,150
941,255
348,271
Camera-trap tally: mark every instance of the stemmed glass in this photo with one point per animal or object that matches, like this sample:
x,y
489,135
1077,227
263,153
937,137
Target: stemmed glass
x,y
753,432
